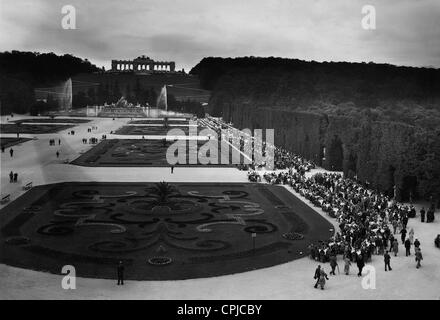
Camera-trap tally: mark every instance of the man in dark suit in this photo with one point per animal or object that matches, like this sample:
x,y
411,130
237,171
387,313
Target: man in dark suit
x,y
403,234
416,243
408,247
387,259
317,275
405,221
120,273
360,264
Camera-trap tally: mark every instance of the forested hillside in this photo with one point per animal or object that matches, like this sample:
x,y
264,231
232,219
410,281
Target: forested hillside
x,y
377,121
21,72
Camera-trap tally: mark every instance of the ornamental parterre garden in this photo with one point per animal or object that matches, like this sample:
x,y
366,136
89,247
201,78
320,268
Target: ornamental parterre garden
x,y
33,128
88,210
148,153
51,120
150,130
9,142
170,121
160,231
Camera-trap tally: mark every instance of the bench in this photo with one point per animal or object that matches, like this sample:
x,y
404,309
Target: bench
x,y
5,199
27,186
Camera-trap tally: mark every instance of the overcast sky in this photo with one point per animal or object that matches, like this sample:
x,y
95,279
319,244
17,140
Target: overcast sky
x,y
407,31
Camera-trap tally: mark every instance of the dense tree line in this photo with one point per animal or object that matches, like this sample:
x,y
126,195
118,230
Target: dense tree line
x,y
186,106
384,91
21,72
377,121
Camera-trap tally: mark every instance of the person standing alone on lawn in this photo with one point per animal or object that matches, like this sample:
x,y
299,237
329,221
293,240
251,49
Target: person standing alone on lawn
x,y
120,273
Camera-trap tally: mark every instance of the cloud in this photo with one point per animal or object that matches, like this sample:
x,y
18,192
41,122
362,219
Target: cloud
x,y
187,30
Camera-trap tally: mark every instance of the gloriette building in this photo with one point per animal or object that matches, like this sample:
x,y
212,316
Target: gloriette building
x,y
142,64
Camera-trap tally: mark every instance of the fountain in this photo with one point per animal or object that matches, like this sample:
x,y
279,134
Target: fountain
x,y
162,97
65,101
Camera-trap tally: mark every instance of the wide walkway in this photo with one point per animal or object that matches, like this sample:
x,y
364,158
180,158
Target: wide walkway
x,y
36,161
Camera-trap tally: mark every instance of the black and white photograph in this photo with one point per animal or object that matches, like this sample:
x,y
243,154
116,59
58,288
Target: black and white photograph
x,y
194,150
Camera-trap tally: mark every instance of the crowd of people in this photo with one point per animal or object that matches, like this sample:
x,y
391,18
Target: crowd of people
x,y
287,160
92,140
370,222
429,215
258,150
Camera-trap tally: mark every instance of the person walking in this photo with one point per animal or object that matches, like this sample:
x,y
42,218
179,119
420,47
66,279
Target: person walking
x,y
15,177
322,277
11,152
405,221
347,265
11,177
387,259
416,243
378,245
395,224
395,247
399,225
317,275
411,236
59,141
408,247
172,169
422,214
419,257
391,242
58,154
430,214
403,234
360,264
333,264
120,273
